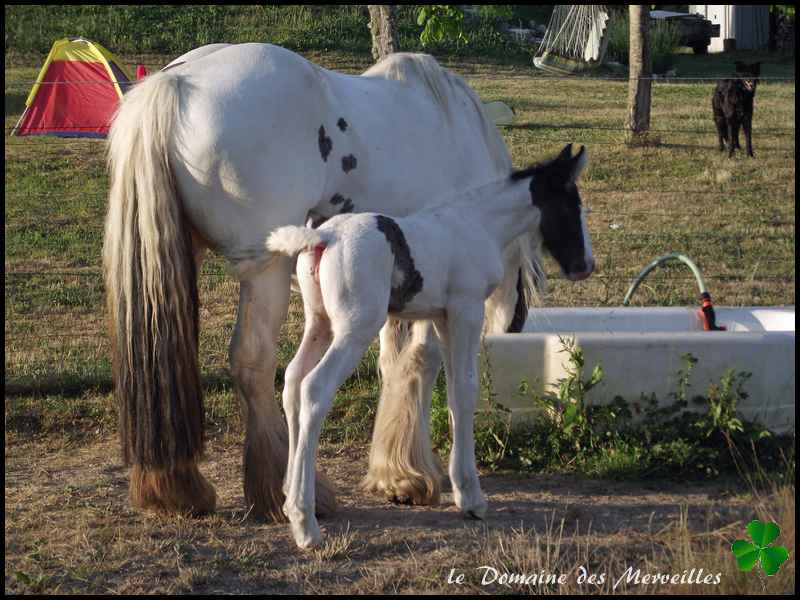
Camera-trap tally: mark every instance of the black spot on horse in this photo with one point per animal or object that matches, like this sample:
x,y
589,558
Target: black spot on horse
x,y
347,203
315,220
403,261
347,207
349,163
325,144
341,124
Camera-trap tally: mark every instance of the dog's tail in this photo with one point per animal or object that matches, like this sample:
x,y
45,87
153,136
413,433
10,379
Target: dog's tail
x,y
291,240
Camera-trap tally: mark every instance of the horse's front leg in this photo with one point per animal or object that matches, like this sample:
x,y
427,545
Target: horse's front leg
x,y
263,303
463,334
316,398
402,464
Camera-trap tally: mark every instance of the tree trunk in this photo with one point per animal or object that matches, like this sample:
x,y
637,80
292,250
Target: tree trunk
x,y
383,26
639,81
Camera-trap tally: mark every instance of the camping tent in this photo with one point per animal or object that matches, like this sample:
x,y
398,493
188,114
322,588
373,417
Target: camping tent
x,y
76,92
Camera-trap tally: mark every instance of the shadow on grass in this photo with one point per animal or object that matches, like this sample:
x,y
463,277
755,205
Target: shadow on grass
x,y
76,387
15,103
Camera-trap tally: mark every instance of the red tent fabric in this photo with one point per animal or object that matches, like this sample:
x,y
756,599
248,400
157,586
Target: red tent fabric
x,y
76,93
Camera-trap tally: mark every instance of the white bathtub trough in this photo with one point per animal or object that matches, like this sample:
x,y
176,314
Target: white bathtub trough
x,y
640,351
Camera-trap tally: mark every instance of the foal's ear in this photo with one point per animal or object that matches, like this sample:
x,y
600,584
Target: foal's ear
x,y
565,154
578,164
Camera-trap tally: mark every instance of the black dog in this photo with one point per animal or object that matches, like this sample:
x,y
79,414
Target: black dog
x,y
732,103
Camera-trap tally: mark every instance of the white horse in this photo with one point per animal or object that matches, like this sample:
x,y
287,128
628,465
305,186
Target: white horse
x,y
441,264
226,144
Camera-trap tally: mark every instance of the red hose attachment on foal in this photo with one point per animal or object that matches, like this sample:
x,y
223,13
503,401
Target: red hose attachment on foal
x,y
318,250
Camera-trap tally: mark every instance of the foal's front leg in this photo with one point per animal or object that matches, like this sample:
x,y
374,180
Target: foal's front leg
x,y
464,325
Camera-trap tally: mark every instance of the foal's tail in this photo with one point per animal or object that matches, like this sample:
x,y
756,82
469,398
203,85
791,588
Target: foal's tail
x,y
151,287
291,240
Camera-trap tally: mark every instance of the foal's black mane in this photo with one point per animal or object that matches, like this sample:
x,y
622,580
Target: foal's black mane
x,y
530,171
551,167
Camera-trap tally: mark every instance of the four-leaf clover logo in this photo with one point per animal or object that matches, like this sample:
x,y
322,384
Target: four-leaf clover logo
x,y
760,551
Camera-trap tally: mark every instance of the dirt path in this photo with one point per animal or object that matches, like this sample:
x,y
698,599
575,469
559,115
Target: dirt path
x,y
69,528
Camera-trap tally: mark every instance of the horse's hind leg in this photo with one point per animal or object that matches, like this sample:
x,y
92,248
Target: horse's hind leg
x,y
402,465
263,303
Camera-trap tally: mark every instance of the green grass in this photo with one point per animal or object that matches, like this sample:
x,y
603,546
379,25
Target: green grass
x,y
69,528
734,217
165,29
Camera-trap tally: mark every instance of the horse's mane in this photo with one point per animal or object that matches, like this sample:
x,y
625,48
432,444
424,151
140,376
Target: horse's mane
x,y
445,87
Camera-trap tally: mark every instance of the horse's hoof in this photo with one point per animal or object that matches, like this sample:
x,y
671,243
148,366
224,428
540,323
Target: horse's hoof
x,y
408,490
401,499
181,489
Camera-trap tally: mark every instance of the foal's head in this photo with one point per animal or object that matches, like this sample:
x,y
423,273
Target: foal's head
x,y
563,221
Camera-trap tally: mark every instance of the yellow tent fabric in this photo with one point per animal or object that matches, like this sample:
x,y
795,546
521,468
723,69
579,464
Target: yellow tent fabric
x,y
79,49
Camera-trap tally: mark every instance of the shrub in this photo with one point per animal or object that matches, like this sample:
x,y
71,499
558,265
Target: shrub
x,y
665,38
621,440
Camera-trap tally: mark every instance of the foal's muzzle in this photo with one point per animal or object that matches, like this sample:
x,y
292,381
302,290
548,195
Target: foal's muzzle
x,y
580,270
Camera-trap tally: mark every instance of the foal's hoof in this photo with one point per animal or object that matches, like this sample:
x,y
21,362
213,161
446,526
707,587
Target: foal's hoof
x,y
477,512
307,536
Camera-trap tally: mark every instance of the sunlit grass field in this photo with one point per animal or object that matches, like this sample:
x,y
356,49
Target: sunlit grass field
x,y
67,528
734,217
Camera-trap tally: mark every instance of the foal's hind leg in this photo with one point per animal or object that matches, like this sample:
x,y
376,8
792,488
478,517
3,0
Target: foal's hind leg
x,y
402,465
263,302
316,398
317,338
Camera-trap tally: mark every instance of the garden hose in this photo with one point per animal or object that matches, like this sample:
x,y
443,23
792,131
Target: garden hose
x,y
706,311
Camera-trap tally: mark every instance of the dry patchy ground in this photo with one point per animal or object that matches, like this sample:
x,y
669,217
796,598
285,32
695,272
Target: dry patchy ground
x,y
69,529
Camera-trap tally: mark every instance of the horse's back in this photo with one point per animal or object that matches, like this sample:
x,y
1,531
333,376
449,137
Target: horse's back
x,y
267,136
249,129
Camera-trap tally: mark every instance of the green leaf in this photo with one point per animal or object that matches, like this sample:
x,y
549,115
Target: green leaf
x,y
597,377
772,559
746,555
763,534
571,414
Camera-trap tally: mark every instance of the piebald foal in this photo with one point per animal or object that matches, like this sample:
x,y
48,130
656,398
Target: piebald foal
x,y
440,264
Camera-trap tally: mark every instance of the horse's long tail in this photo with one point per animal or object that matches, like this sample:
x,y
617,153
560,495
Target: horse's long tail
x,y
151,286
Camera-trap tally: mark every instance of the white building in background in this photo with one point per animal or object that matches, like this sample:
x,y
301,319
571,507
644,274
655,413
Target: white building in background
x,y
746,25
